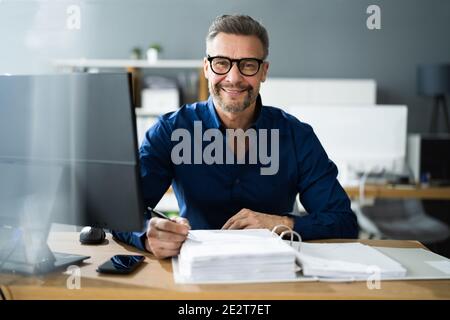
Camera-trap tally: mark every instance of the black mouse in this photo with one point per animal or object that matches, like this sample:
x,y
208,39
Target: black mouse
x,y
92,235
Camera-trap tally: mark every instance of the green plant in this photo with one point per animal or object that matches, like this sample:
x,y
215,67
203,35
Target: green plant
x,y
136,52
156,46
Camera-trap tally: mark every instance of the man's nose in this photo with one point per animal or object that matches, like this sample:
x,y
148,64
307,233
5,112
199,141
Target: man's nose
x,y
234,75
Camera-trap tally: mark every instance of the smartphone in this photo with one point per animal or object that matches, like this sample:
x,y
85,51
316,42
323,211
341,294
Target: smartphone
x,y
121,264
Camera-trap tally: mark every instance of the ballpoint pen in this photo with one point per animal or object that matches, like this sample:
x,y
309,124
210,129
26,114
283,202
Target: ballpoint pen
x,y
159,214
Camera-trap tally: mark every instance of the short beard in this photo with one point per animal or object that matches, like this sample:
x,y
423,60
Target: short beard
x,y
232,107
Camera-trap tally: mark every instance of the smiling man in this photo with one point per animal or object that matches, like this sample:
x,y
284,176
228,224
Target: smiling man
x,y
220,193
235,91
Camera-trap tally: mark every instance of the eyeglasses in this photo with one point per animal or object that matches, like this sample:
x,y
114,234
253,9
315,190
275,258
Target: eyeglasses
x,y
247,66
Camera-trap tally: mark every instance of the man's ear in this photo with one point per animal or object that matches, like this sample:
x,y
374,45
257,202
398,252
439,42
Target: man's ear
x,y
205,67
265,70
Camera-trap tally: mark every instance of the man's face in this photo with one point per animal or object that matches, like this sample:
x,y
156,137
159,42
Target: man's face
x,y
234,92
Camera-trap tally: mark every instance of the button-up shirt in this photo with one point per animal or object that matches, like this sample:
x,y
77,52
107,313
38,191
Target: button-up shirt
x,y
208,194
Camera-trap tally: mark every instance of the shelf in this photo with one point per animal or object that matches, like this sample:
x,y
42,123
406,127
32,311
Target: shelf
x,y
147,113
134,66
118,63
408,192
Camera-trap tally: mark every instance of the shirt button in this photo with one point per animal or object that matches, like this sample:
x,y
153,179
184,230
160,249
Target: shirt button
x,y
237,181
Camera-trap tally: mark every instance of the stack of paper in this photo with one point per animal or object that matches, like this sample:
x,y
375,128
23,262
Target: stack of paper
x,y
346,260
236,255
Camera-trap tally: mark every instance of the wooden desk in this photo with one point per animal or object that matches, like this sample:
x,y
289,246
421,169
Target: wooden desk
x,y
377,191
155,281
391,191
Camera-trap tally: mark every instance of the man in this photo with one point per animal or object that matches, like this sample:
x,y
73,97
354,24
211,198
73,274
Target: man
x,y
240,194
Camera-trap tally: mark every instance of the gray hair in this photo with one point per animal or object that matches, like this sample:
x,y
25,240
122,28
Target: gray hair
x,y
239,25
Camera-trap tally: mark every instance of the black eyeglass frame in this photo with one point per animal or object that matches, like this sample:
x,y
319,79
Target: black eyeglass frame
x,y
238,61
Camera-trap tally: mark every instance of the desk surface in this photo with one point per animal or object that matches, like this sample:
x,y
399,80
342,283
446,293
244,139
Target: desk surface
x,y
388,191
154,280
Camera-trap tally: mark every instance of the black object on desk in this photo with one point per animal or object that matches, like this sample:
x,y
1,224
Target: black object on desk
x,y
92,235
121,264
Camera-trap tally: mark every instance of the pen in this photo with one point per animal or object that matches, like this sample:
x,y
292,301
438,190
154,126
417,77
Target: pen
x,y
163,216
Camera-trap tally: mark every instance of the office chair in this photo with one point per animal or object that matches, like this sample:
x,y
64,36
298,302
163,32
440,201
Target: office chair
x,y
398,219
404,219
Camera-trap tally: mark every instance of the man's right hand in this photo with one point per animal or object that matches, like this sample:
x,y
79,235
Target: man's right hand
x,y
165,237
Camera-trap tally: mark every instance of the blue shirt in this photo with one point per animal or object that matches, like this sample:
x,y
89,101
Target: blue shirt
x,y
209,194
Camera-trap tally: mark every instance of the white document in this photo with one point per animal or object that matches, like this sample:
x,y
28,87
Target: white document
x,y
443,265
247,256
235,255
421,264
346,260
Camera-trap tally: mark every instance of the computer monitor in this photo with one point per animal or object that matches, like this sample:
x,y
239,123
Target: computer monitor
x,y
68,154
360,139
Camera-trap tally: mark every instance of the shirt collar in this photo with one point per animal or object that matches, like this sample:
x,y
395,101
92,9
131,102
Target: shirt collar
x,y
214,120
257,122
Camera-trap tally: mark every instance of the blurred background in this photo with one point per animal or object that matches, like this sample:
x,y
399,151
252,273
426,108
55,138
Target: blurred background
x,y
403,64
308,38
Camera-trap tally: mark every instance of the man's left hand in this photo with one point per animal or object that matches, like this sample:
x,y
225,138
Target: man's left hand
x,y
248,219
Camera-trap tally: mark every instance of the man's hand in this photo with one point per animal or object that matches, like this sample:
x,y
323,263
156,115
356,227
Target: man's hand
x,y
165,237
248,219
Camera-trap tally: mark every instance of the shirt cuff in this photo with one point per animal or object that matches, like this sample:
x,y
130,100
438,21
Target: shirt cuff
x,y
136,239
310,227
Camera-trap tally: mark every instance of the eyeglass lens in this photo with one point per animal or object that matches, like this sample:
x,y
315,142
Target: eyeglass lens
x,y
248,67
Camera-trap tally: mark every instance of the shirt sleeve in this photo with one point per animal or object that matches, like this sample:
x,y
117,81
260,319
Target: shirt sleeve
x,y
156,175
135,239
327,204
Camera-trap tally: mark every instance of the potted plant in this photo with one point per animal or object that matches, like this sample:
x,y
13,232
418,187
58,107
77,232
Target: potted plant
x,y
152,52
136,53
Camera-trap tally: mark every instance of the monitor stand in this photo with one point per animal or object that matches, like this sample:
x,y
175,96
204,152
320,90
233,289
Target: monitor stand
x,y
27,253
